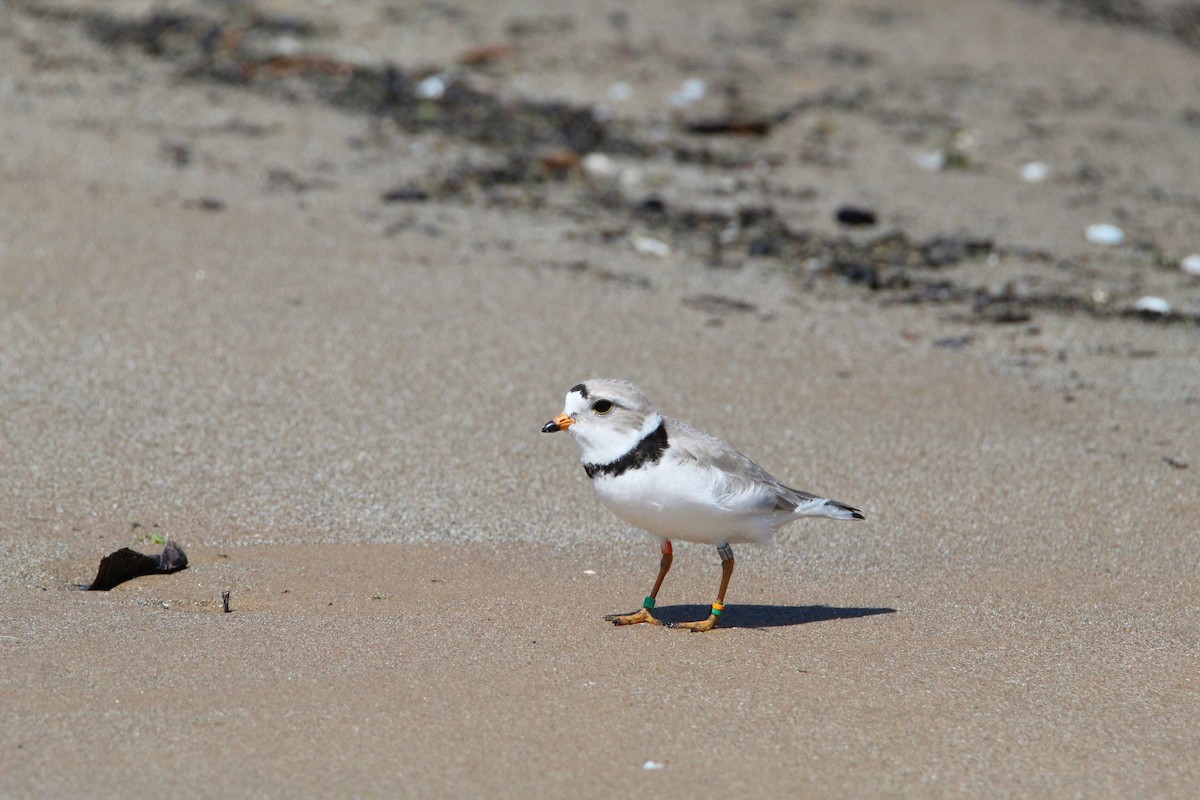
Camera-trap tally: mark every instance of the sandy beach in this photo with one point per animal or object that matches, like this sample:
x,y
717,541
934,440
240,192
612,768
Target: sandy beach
x,y
296,285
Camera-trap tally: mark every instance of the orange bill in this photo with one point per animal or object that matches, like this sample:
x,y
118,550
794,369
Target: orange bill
x,y
559,423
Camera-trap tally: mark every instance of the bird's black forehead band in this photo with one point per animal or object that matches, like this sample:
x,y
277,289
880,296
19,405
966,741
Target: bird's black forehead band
x,y
579,387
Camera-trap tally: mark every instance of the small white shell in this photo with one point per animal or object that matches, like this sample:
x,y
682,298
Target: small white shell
x,y
651,246
432,88
930,160
1153,305
1103,233
1034,172
600,166
690,93
619,92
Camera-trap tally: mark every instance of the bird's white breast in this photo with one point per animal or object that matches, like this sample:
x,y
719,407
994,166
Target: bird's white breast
x,y
680,501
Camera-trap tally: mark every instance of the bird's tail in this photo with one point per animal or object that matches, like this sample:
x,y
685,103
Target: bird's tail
x,y
823,507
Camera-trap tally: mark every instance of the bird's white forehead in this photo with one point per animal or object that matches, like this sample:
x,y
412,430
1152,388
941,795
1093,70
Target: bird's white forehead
x,y
575,402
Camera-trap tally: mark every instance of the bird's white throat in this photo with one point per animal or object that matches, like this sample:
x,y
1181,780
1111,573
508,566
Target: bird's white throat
x,y
601,444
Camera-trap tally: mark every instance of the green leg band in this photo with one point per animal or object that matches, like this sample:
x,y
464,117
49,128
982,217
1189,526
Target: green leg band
x,y
716,612
648,603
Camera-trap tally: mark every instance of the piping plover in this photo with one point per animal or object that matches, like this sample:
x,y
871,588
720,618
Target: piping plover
x,y
676,482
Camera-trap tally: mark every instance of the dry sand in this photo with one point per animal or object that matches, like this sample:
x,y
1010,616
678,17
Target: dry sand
x,y
213,329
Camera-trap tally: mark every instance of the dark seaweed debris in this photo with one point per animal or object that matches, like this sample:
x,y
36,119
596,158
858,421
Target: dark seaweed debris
x,y
1180,20
536,143
236,49
126,564
894,265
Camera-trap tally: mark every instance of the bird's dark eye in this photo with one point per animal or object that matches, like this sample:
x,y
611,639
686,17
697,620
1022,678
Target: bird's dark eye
x,y
602,406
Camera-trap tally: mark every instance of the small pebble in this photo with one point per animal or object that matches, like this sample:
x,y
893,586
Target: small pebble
x,y
954,342
405,194
855,216
1152,305
589,572
1103,233
652,765
1191,264
1034,172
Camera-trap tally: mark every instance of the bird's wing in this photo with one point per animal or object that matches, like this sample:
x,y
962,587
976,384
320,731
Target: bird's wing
x,y
738,481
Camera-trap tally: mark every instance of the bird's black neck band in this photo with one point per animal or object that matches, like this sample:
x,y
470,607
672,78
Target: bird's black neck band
x,y
647,451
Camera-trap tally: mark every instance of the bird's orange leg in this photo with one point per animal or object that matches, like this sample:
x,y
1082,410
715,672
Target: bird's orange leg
x,y
727,562
643,614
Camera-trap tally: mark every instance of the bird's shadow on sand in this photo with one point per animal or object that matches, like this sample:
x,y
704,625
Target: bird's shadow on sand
x,y
759,616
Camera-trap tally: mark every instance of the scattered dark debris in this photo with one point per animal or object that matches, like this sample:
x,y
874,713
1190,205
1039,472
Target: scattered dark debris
x,y
540,144
946,250
514,169
729,126
126,564
718,304
178,153
239,127
584,267
225,601
542,24
653,209
1178,462
206,204
486,54
902,269
954,342
855,216
559,160
284,180
882,262
413,224
847,56
236,48
172,33
406,194
933,291
279,66
1179,20
1001,310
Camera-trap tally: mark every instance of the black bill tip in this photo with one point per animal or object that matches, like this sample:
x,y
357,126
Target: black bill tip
x,y
551,427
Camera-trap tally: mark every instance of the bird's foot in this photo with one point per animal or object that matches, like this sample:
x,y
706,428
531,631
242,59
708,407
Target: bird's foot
x,y
697,627
638,617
